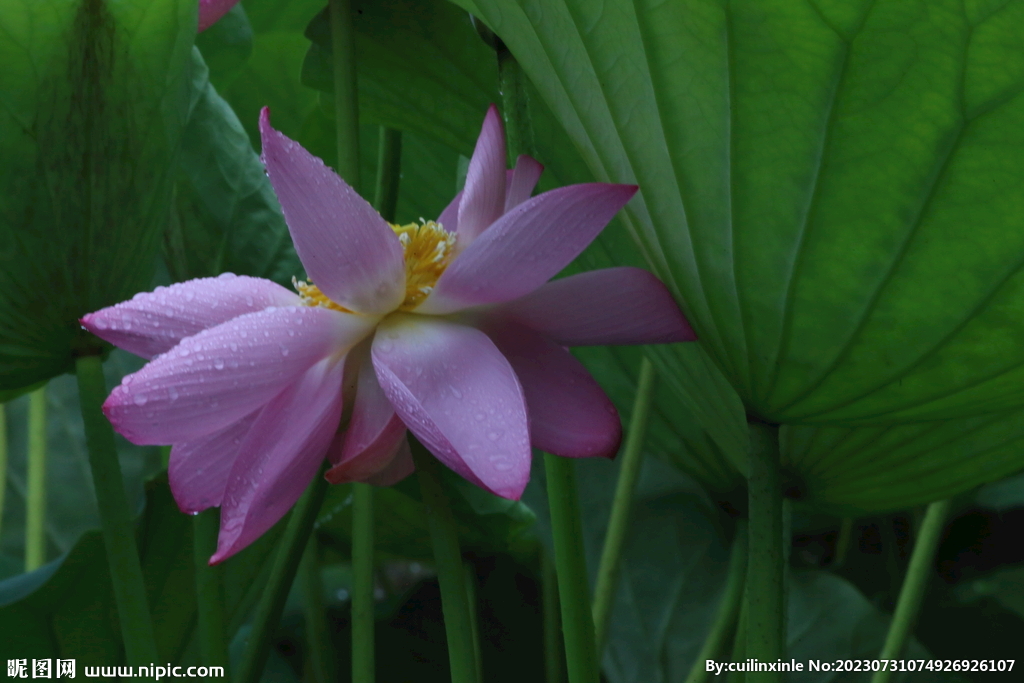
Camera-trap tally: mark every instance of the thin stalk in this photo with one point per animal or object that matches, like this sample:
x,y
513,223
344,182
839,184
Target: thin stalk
x,y
728,613
282,574
346,100
515,105
444,533
35,513
389,165
739,642
570,564
618,523
766,638
118,531
213,630
3,459
473,619
363,622
317,632
554,655
914,584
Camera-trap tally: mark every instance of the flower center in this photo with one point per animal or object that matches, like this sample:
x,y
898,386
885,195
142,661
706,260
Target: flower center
x,y
428,249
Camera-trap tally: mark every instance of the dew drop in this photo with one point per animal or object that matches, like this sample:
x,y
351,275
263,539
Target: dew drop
x,y
173,394
284,351
140,399
479,417
233,346
494,435
291,333
455,392
219,364
189,295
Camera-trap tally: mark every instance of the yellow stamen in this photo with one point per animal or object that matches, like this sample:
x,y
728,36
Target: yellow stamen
x,y
312,296
428,249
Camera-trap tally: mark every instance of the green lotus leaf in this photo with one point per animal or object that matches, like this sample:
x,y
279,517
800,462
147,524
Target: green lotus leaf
x,y
94,97
832,188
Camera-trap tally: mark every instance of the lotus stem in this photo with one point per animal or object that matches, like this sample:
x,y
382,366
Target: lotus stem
x,y
554,655
474,622
3,459
346,97
118,531
570,564
389,166
213,630
843,539
363,622
914,584
618,523
766,618
728,614
444,533
317,632
35,513
282,574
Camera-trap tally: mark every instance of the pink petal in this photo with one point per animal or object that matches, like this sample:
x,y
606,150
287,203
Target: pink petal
x,y
280,457
222,374
401,466
527,246
373,435
198,470
521,181
570,415
210,12
152,323
611,306
483,198
348,250
459,396
449,218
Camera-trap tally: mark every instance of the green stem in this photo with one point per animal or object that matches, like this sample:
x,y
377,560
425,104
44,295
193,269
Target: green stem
x,y
739,642
282,574
389,166
35,513
727,617
213,630
914,584
118,532
554,656
346,100
317,632
3,459
363,621
515,106
618,523
570,564
473,620
444,533
766,639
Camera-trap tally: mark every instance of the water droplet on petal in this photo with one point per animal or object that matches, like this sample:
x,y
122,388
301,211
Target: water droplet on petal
x,y
140,399
173,394
233,346
219,364
494,435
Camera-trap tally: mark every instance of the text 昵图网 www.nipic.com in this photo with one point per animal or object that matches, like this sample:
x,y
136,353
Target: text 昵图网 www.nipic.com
x,y
66,668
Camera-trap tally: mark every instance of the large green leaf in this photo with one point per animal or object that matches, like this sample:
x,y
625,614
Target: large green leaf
x,y
228,219
92,104
831,188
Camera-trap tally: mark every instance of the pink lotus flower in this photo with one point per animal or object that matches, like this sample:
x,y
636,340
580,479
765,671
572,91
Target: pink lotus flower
x,y
449,328
210,12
